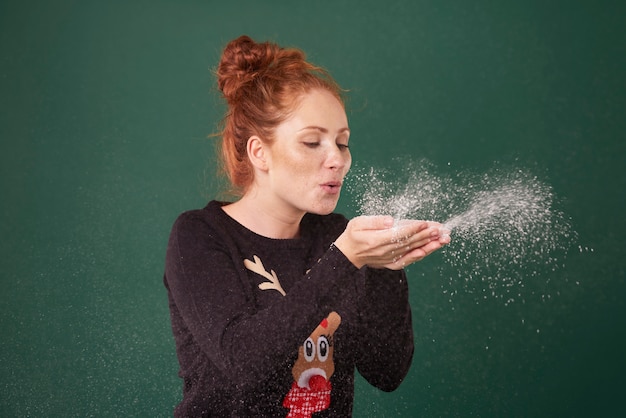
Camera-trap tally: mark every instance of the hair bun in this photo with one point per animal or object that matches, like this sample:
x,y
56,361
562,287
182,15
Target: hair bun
x,y
243,60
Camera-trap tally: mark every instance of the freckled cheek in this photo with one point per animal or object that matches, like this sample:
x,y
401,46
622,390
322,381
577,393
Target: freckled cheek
x,y
299,176
348,164
293,165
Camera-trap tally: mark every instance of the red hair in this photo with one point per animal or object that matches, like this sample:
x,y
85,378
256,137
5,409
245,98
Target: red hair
x,y
262,83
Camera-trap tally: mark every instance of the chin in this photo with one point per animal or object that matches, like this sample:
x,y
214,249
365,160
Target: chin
x,y
323,209
321,212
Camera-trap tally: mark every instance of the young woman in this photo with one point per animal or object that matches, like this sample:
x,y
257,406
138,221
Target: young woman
x,y
274,299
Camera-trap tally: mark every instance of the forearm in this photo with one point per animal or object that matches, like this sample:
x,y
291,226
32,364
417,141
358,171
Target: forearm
x,y
386,329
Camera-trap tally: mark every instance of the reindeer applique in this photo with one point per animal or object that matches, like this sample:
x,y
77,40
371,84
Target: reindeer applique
x,y
310,391
257,267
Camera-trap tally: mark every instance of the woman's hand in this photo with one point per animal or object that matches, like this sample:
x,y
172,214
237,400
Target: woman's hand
x,y
380,242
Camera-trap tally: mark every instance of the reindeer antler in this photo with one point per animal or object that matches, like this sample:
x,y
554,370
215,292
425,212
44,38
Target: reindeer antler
x,y
257,267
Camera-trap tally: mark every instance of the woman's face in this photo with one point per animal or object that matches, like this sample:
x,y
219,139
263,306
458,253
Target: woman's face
x,y
309,156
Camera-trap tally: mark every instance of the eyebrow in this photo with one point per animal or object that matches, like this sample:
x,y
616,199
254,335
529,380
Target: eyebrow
x,y
323,130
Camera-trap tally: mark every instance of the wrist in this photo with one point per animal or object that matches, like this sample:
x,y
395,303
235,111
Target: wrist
x,y
341,245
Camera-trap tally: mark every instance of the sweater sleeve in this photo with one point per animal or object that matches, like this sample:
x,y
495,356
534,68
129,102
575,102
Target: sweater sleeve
x,y
386,337
216,313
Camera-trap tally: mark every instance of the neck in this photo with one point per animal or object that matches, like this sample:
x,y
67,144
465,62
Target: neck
x,y
264,218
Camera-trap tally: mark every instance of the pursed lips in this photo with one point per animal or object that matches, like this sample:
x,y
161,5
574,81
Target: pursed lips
x,y
331,186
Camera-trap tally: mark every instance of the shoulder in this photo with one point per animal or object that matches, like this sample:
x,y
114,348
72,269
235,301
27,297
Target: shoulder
x,y
205,221
201,235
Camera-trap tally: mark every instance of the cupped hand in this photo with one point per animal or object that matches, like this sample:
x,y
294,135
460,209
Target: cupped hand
x,y
380,242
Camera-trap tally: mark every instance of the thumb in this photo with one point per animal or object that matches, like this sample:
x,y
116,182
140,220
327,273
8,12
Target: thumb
x,y
365,223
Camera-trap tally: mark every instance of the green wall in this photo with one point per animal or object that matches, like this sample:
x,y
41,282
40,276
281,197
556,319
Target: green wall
x,y
105,109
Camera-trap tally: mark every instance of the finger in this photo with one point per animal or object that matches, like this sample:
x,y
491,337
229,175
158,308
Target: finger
x,y
418,254
405,231
407,259
431,247
445,238
366,223
421,238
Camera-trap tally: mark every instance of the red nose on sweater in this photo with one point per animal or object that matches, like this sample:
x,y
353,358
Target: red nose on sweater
x,y
317,382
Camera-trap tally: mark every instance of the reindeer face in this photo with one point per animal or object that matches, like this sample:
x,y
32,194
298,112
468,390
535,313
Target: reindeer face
x,y
315,356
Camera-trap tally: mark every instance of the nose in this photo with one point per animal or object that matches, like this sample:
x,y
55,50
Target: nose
x,y
337,157
317,382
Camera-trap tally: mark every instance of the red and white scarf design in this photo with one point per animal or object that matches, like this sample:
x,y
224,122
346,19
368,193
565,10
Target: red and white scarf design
x,y
303,402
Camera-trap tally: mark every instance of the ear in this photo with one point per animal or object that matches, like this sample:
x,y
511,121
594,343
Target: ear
x,y
334,319
257,152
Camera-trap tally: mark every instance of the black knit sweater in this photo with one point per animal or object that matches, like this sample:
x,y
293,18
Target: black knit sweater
x,y
244,309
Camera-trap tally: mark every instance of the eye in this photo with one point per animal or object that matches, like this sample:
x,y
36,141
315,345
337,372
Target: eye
x,y
309,349
311,140
342,141
322,348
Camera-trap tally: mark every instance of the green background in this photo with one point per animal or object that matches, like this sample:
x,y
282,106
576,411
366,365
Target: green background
x,y
105,112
